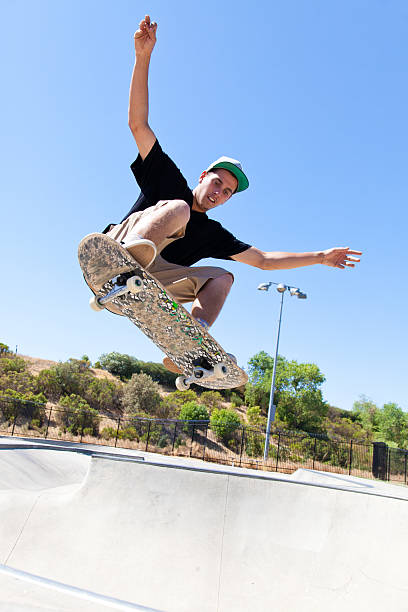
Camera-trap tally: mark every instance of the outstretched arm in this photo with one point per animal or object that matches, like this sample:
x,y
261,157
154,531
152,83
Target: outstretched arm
x,y
339,257
145,39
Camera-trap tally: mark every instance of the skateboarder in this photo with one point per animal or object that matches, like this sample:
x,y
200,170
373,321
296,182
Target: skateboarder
x,y
168,229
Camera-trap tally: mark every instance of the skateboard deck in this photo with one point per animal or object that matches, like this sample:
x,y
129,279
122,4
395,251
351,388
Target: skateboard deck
x,y
119,282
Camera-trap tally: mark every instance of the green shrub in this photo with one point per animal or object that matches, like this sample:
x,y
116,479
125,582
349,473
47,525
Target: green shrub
x,y
192,411
225,423
141,394
103,394
25,406
12,364
78,416
211,399
108,433
236,400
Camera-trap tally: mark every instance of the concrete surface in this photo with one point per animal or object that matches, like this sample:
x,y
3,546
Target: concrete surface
x,y
181,535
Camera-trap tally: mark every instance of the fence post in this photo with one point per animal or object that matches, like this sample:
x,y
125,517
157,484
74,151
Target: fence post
x,y
148,436
117,432
350,456
277,454
48,423
380,456
205,440
174,437
242,445
314,452
192,440
15,416
405,467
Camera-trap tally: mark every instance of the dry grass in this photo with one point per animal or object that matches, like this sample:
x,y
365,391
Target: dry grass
x,y
35,365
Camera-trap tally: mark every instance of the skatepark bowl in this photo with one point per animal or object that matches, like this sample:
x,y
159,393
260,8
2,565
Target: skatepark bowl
x,y
86,530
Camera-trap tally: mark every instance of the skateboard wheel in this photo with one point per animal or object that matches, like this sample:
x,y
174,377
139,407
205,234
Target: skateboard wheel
x,y
182,384
95,305
220,370
134,284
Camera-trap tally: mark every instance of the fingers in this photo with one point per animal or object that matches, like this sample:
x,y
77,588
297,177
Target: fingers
x,y
147,29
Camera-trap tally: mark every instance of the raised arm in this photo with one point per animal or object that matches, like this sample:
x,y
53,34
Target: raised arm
x,y
145,39
338,257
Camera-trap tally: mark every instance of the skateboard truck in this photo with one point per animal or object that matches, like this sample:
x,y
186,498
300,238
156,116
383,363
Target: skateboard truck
x,y
200,373
125,283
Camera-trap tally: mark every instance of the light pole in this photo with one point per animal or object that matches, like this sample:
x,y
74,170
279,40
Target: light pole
x,y
272,408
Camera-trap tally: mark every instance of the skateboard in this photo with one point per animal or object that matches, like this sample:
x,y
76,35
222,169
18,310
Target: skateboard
x,y
121,284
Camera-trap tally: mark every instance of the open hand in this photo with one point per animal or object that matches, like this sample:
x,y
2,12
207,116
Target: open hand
x,y
340,257
145,37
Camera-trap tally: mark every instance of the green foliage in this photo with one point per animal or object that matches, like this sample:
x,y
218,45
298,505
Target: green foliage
x,y
12,364
211,399
65,378
4,349
172,403
141,395
78,416
367,414
393,425
299,400
225,423
125,366
255,418
338,427
191,411
236,400
21,382
24,406
103,394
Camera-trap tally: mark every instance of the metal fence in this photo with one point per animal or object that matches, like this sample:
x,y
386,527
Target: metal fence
x,y
239,446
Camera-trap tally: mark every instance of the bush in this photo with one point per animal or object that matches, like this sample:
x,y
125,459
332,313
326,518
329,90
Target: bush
x,y
104,394
141,394
25,406
12,364
171,405
64,379
236,400
191,411
225,423
78,416
125,366
211,399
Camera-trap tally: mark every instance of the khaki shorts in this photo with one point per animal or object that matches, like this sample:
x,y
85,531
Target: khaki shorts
x,y
182,282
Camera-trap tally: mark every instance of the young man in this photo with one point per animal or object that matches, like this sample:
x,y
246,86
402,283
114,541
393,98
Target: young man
x,y
168,229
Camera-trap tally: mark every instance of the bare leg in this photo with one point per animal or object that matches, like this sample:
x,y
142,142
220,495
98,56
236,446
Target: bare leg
x,y
210,299
164,221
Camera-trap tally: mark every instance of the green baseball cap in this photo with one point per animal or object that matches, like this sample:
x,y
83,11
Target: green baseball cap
x,y
233,166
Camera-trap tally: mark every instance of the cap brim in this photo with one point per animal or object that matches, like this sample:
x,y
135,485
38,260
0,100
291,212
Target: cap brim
x,y
243,182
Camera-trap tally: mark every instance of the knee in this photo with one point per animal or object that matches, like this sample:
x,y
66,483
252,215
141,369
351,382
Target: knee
x,y
181,210
227,280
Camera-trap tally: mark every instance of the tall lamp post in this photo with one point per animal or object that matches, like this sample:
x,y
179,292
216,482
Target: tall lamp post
x,y
272,408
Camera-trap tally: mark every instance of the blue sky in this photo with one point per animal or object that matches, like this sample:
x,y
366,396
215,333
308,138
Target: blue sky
x,y
310,96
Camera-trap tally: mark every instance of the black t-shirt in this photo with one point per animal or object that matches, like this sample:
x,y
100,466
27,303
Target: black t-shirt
x,y
159,179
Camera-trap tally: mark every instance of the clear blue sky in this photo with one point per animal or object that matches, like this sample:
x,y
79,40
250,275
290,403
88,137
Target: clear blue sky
x,y
311,96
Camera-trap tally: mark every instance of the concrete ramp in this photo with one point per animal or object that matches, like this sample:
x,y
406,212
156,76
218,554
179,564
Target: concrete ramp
x,y
179,538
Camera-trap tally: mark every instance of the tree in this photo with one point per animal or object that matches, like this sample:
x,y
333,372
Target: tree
x,y
367,414
298,398
141,395
393,425
119,364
